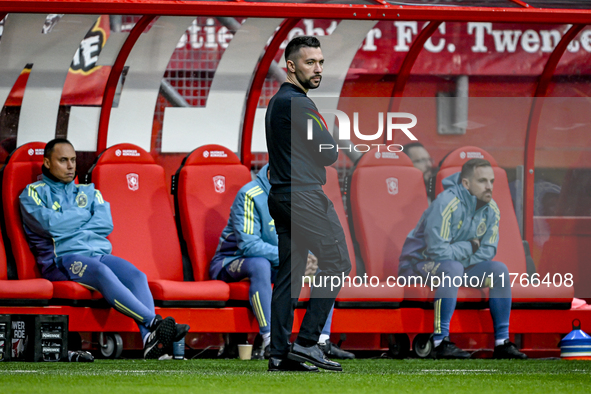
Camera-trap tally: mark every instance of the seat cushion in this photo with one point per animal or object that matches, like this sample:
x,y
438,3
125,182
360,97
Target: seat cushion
x,y
69,290
31,289
542,294
370,294
424,294
209,290
522,297
239,290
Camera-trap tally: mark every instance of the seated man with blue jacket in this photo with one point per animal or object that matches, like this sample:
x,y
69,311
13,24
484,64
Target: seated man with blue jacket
x,y
248,249
457,237
67,227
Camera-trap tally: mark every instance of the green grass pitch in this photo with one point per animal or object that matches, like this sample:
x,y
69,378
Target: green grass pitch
x,y
235,376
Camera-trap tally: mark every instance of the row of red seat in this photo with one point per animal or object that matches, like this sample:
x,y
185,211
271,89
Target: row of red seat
x,y
387,198
383,218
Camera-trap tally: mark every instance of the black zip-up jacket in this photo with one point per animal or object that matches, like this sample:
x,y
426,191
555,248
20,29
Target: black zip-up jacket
x,y
296,163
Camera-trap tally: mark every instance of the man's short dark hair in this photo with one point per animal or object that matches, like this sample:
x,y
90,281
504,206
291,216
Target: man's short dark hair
x,y
51,144
300,41
469,167
411,145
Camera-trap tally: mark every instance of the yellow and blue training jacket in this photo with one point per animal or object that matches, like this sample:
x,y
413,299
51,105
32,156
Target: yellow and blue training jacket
x,y
250,231
62,219
447,226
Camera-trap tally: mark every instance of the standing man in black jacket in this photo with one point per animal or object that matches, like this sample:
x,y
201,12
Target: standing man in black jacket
x,y
299,148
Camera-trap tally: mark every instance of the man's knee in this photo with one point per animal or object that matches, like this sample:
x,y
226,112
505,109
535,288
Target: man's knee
x,y
138,276
450,268
501,278
498,268
96,270
259,268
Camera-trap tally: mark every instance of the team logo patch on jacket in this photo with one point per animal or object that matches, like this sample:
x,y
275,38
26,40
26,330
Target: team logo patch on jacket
x,y
392,185
81,200
481,229
133,182
219,182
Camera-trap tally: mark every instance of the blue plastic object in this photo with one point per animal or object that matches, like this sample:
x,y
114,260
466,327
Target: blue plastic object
x,y
576,344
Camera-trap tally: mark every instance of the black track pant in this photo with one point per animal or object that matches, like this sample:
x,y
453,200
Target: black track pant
x,y
305,221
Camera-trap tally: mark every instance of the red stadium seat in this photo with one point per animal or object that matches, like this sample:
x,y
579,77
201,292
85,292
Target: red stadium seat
x,y
510,249
207,183
23,168
387,199
22,292
332,189
144,228
351,296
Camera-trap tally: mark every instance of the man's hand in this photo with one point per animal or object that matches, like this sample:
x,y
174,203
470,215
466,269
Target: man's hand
x,y
475,244
311,265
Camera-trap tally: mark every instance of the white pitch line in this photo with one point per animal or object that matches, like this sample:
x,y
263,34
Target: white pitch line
x,y
459,370
21,371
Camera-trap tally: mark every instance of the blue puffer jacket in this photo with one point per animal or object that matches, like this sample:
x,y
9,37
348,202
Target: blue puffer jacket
x,y
250,231
64,219
447,226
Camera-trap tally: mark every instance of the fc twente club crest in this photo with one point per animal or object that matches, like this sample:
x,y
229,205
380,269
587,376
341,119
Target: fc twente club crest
x,y
133,182
392,185
219,182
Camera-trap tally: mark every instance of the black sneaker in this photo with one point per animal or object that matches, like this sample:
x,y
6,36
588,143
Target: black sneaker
x,y
80,356
161,337
260,353
333,351
181,331
449,350
508,350
157,320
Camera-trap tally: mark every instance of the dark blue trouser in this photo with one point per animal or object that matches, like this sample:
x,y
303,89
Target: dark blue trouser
x,y
258,271
446,295
123,285
305,222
